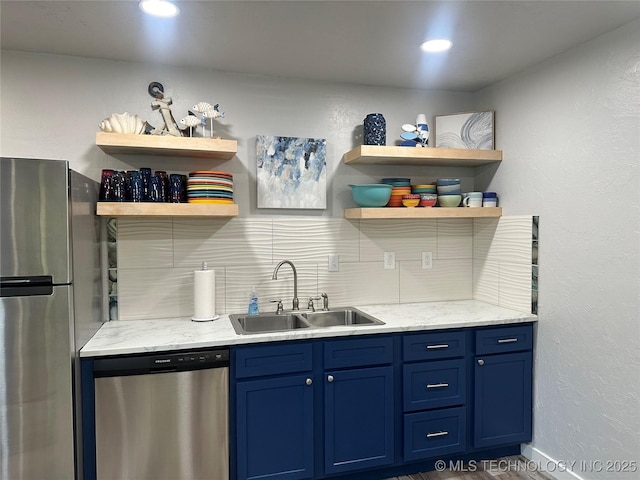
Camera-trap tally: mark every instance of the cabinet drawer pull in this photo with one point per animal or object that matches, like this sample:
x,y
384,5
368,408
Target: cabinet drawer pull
x,y
330,378
437,385
433,347
437,434
309,381
507,340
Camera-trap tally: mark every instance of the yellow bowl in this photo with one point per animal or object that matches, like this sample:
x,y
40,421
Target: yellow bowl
x,y
410,202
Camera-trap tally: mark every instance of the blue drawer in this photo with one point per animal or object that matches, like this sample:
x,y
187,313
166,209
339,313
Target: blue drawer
x,y
434,434
434,384
256,361
504,339
433,346
356,352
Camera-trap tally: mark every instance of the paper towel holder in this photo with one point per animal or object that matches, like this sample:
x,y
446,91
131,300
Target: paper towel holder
x,y
207,318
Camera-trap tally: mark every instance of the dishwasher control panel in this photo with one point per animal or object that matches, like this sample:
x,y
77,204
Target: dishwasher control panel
x,y
144,364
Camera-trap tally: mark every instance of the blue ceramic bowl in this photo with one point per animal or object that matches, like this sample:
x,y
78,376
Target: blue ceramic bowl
x,y
447,181
371,195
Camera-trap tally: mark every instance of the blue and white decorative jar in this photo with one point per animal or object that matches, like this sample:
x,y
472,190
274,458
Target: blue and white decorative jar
x,y
375,129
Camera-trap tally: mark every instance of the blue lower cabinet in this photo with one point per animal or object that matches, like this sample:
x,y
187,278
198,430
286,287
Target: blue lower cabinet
x,y
434,434
358,417
502,399
274,428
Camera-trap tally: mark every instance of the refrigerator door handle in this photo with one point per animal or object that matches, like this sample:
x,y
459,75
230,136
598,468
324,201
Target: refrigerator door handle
x,y
26,286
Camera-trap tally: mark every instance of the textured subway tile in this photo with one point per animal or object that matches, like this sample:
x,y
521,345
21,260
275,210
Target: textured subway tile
x,y
484,229
162,293
359,284
309,239
486,281
144,242
512,240
515,286
455,238
240,279
147,293
407,238
449,279
222,241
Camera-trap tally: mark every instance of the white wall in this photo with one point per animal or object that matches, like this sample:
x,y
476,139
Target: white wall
x,y
51,105
570,130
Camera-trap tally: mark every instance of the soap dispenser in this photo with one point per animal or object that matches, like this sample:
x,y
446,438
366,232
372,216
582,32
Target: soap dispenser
x,y
253,303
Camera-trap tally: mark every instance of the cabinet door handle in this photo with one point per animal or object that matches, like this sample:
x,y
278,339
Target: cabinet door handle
x,y
437,385
437,434
330,378
433,347
480,362
507,340
309,381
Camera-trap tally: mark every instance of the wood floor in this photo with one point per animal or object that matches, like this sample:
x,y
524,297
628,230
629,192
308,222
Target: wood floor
x,y
505,468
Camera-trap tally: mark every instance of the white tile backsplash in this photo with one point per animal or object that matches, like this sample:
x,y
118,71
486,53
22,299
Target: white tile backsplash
x,y
407,238
484,259
449,278
145,242
360,283
304,239
220,241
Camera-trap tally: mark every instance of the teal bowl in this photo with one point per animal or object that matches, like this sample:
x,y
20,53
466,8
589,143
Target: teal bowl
x,y
371,195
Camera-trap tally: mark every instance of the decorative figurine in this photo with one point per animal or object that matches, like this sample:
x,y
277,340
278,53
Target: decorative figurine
x,y
156,90
123,123
208,111
190,121
415,135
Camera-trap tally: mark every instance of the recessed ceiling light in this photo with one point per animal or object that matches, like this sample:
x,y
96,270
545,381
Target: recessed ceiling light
x,y
159,8
436,45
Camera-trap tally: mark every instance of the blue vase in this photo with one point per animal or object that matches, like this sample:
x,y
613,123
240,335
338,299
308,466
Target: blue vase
x,y
375,129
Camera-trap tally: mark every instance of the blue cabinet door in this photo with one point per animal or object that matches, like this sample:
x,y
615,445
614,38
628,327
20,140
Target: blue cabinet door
x,y
358,417
502,399
275,428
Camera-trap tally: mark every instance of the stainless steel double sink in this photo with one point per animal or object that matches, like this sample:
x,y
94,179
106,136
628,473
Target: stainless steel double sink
x,y
270,322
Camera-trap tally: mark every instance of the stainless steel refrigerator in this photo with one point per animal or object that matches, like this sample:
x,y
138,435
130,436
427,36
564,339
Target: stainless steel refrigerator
x,y
50,305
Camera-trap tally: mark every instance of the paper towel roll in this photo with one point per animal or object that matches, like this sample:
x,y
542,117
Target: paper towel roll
x,y
204,295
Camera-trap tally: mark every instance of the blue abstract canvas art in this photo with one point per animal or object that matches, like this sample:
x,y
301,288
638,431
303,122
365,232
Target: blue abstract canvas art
x,y
291,172
472,130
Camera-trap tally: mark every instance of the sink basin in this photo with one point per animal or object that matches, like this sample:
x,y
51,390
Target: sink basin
x,y
245,324
333,318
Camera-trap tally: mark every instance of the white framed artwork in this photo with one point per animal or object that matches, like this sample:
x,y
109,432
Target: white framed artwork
x,y
468,130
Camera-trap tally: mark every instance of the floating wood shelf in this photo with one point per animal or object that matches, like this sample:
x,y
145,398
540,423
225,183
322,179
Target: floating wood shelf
x,y
446,157
420,212
134,209
195,147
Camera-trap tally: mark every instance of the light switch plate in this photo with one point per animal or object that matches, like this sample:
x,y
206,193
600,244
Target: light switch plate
x,y
427,260
334,264
389,260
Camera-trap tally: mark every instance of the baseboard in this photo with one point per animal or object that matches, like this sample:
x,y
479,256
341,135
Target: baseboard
x,y
560,470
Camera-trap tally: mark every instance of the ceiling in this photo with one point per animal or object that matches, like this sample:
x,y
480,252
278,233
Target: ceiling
x,y
362,42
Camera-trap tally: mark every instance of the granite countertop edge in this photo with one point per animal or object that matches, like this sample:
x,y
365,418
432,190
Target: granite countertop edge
x,y
124,337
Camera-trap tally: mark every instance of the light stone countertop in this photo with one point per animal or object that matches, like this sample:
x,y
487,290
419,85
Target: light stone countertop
x,y
141,336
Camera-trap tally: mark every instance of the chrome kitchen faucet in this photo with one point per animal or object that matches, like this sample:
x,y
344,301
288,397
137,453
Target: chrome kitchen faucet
x,y
296,303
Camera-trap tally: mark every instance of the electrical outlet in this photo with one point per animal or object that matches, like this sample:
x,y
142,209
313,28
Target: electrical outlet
x,y
427,260
334,264
389,260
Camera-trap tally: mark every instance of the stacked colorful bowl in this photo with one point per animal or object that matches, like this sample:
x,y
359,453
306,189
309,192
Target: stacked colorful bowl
x,y
449,193
431,188
401,186
206,186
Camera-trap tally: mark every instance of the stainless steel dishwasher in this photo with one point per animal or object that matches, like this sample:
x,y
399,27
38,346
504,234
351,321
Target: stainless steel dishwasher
x,y
163,416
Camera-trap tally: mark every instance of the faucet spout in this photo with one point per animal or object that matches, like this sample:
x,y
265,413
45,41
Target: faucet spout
x,y
296,302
